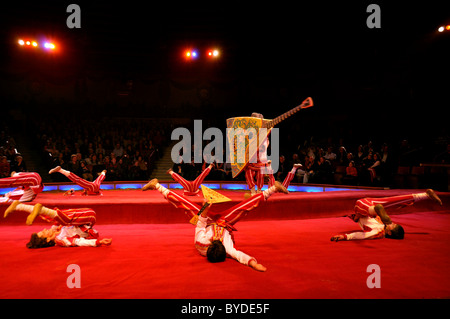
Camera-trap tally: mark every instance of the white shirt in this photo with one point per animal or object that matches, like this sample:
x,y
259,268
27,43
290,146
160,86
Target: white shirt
x,y
204,235
372,229
74,231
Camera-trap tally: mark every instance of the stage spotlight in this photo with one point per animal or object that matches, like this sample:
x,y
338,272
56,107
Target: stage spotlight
x,y
213,53
191,54
46,45
441,29
49,45
447,27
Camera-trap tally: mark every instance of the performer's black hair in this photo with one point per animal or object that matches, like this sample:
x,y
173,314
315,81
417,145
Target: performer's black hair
x,y
38,242
396,233
216,252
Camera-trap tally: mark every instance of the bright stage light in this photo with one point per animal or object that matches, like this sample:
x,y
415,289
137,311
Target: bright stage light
x,y
441,29
191,54
447,27
49,45
213,53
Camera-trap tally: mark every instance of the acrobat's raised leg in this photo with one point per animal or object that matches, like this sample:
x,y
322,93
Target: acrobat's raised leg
x,y
75,217
90,187
21,179
290,176
366,206
191,188
231,216
234,214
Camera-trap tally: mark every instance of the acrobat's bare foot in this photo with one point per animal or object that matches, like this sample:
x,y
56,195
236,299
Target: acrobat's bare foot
x,y
150,185
36,211
54,170
11,208
434,196
280,188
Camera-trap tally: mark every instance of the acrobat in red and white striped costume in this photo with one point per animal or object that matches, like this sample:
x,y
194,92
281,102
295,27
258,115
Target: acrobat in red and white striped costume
x,y
367,219
91,188
373,228
258,167
290,176
365,206
217,226
260,170
72,227
77,227
28,184
191,188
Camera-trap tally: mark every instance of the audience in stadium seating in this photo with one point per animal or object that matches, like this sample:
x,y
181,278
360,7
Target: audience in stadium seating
x,y
129,150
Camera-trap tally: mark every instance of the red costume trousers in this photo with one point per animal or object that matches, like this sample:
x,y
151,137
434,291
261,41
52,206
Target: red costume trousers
x,y
228,217
191,187
21,179
75,217
90,187
362,205
253,171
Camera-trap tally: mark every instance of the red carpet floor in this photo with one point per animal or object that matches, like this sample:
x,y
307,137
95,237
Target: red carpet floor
x,y
154,256
138,207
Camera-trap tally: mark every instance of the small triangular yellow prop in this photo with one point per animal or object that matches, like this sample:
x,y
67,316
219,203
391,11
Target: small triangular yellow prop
x,y
213,196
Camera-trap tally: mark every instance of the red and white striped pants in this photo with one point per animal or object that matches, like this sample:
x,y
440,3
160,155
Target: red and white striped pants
x,y
250,173
288,179
75,217
191,187
257,170
22,179
90,187
362,205
31,183
230,217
